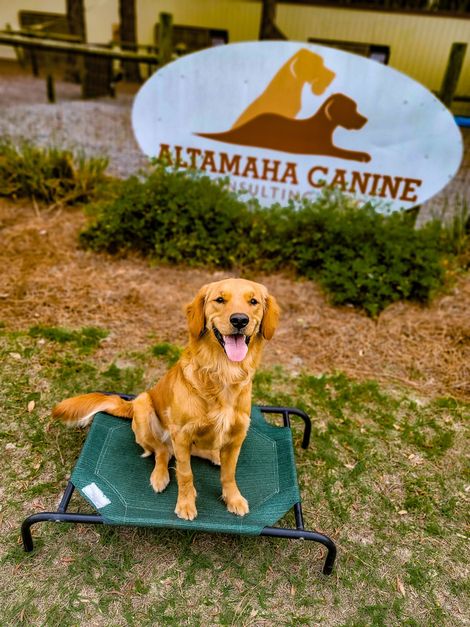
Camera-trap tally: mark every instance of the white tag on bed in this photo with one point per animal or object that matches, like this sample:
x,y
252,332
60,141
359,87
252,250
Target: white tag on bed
x,y
96,496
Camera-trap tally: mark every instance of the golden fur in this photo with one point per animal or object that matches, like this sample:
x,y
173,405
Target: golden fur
x,y
202,405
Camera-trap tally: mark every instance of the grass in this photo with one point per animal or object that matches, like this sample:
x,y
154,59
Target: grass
x,y
385,476
50,175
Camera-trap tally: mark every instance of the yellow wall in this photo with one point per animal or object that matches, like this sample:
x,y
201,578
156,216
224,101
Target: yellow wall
x,y
9,15
100,17
240,17
419,45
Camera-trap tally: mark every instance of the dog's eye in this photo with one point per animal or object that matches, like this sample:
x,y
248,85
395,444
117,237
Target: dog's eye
x,y
219,300
253,301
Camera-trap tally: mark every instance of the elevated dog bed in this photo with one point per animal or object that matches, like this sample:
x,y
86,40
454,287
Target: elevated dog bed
x,y
112,476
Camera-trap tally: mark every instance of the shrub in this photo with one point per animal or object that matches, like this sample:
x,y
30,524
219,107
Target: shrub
x,y
48,175
361,257
174,217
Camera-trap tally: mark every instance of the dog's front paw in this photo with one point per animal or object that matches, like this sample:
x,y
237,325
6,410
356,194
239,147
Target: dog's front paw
x,y
237,504
186,509
159,480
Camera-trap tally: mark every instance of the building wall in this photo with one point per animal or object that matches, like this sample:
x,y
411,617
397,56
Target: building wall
x,y
100,17
240,17
9,15
420,45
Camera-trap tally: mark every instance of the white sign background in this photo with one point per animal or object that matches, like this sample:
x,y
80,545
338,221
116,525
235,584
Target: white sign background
x,y
409,132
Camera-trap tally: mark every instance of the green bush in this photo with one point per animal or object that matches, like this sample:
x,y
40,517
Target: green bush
x,y
48,175
174,217
361,257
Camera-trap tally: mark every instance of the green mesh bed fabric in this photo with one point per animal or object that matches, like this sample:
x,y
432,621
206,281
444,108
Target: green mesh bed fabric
x,y
113,477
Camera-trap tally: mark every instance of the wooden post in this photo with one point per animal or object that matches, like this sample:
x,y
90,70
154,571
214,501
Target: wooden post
x,y
452,73
75,11
50,88
268,28
128,37
34,63
165,38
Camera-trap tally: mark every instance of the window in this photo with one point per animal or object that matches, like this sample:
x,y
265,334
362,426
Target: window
x,y
372,51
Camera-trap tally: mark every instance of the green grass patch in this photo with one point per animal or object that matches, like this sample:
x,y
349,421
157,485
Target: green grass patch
x,y
85,339
385,476
168,352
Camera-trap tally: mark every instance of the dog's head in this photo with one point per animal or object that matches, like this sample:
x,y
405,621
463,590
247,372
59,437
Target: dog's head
x,y
231,313
309,67
343,112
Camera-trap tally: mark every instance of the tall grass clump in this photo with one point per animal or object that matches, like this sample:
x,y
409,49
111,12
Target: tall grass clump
x,y
456,235
359,256
49,175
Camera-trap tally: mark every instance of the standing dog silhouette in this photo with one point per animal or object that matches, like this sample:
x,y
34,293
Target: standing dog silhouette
x,y
283,95
310,136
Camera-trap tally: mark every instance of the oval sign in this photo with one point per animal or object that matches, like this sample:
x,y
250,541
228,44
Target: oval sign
x,y
284,119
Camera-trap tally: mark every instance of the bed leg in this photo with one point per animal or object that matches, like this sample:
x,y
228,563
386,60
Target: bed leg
x,y
303,534
26,535
91,519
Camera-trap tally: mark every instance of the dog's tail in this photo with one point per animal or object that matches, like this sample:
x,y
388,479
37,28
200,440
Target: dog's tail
x,y
79,410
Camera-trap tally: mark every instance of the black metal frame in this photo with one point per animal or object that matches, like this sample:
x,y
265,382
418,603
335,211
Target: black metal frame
x,y
300,533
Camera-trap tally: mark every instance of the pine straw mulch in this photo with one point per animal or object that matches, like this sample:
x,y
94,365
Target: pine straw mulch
x,y
46,279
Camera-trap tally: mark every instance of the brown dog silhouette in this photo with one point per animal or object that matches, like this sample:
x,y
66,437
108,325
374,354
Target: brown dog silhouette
x,y
310,136
283,95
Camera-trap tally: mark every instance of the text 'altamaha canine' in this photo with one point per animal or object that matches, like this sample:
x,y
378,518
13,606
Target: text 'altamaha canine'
x,y
275,171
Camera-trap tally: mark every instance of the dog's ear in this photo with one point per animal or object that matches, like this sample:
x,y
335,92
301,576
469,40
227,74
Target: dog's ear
x,y
329,105
195,313
270,318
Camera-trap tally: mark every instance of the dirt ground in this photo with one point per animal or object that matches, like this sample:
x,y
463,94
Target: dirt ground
x,y
45,278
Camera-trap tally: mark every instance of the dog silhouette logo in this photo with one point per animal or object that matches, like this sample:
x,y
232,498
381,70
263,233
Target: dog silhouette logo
x,y
270,120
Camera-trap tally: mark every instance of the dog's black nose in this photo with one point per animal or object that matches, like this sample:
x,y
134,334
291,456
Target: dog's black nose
x,y
239,320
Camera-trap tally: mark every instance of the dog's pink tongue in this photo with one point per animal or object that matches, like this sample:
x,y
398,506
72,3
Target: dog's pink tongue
x,y
235,347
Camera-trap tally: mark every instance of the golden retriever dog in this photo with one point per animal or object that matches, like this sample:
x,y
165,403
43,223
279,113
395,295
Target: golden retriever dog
x,y
283,95
202,405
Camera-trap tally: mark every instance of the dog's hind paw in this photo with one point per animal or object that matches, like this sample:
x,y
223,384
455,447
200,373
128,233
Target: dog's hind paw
x,y
215,458
212,455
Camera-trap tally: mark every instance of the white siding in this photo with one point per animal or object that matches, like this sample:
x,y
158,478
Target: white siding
x,y
420,45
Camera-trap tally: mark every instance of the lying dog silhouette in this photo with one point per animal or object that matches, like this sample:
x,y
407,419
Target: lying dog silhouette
x,y
310,136
283,95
